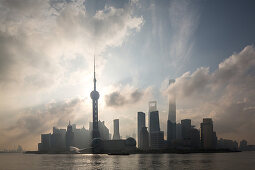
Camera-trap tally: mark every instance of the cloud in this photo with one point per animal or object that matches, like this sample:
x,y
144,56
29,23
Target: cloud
x,y
31,122
118,98
226,95
38,39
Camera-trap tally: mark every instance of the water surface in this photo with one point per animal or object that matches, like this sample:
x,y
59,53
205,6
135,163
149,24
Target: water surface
x,y
208,161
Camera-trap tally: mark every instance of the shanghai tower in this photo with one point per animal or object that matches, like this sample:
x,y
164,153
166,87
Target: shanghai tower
x,y
95,96
171,122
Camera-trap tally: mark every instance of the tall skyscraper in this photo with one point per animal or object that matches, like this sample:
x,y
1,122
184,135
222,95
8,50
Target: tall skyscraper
x,y
172,105
95,96
116,133
154,121
186,127
178,131
144,139
171,122
207,134
156,136
140,125
153,117
186,132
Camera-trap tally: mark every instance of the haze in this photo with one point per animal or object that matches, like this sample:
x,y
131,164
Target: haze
x,y
46,64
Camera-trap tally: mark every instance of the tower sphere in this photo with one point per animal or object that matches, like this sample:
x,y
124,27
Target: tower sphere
x,y
94,95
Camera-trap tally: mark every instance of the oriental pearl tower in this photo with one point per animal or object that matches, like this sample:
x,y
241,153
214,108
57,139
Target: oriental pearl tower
x,y
95,96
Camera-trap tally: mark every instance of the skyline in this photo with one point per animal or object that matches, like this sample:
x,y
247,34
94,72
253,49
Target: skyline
x,y
47,55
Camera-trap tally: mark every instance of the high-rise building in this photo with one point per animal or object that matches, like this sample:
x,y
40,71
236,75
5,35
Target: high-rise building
x,y
171,131
95,96
154,121
186,127
144,139
178,131
153,117
186,132
157,140
171,122
156,136
116,133
207,134
194,138
69,137
140,125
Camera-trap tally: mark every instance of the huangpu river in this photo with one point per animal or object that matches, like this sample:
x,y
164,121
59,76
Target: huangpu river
x,y
208,161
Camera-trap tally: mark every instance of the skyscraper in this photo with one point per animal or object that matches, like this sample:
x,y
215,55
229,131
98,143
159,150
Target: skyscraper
x,y
116,133
156,136
186,132
154,121
95,96
153,117
171,122
207,134
144,139
140,125
172,105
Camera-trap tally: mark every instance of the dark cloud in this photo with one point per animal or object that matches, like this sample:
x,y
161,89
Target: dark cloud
x,y
117,98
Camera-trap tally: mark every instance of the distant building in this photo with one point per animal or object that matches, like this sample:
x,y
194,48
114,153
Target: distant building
x,y
195,138
69,137
58,139
116,134
144,139
186,129
103,130
114,146
152,106
45,142
82,137
208,136
140,125
155,135
157,140
178,131
243,145
154,122
171,131
215,140
171,122
227,144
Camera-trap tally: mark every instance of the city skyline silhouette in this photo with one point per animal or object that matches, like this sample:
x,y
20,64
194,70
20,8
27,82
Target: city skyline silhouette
x,y
127,84
47,53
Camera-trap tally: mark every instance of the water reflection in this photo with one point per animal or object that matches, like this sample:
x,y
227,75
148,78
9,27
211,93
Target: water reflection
x,y
146,161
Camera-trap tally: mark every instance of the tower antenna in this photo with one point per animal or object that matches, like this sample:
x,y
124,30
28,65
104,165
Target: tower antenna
x,y
94,72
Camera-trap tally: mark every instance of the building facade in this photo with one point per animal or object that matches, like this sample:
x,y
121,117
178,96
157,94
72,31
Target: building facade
x,y
207,134
140,125
116,133
171,122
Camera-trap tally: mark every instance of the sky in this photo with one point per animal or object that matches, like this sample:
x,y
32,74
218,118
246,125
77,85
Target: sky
x,y
46,64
